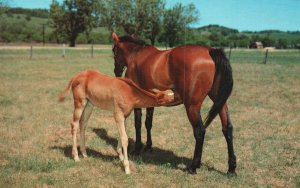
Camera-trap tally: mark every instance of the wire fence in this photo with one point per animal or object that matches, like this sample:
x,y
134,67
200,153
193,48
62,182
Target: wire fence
x,y
260,56
263,56
55,51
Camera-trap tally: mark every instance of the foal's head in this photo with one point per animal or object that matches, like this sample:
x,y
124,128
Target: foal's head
x,y
122,47
164,97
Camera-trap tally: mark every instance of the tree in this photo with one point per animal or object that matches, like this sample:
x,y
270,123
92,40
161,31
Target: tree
x,y
281,43
73,17
176,20
149,18
3,6
140,17
118,14
267,41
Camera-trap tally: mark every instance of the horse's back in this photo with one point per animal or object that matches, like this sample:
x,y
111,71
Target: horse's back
x,y
190,55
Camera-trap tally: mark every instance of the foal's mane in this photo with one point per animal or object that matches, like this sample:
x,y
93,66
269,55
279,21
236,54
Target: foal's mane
x,y
135,40
131,83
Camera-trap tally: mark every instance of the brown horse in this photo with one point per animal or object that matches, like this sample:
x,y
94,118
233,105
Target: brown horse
x,y
192,72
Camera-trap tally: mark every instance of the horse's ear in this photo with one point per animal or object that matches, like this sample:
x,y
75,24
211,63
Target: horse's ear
x,y
115,37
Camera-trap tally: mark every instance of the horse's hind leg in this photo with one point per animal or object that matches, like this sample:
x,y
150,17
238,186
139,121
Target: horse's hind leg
x,y
83,122
148,123
227,130
78,103
194,116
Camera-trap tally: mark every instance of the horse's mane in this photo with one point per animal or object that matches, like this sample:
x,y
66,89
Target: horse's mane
x,y
135,40
131,83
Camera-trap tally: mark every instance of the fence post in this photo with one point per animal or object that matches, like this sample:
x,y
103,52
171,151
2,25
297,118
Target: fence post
x,y
31,51
229,56
64,51
266,57
92,50
43,34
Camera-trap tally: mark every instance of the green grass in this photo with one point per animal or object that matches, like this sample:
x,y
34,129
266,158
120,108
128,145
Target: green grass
x,y
35,139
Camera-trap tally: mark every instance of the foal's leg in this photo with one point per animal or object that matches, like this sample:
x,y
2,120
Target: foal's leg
x,y
148,123
227,130
78,103
83,122
120,121
138,125
120,150
194,116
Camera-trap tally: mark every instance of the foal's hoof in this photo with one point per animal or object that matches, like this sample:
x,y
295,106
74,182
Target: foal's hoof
x,y
76,159
148,149
231,173
85,155
127,171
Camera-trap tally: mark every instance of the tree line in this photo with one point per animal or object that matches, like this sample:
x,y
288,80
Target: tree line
x,y
92,21
148,19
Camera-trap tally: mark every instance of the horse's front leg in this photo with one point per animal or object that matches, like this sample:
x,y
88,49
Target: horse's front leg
x,y
138,125
148,123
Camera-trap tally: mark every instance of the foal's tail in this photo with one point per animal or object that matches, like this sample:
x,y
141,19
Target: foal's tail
x,y
65,92
222,84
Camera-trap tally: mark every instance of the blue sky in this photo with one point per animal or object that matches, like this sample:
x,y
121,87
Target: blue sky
x,y
253,15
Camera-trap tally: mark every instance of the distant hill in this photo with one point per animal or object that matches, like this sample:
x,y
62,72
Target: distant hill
x,y
217,29
216,35
40,13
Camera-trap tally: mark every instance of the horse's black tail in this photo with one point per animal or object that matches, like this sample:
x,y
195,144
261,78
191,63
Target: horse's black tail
x,y
222,84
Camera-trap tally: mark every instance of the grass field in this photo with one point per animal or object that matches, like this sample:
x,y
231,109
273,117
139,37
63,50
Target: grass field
x,y
35,138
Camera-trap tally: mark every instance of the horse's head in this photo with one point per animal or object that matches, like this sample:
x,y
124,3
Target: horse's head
x,y
119,57
123,47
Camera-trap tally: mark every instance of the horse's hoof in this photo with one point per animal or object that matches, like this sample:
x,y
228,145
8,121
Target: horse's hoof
x,y
191,170
148,149
231,173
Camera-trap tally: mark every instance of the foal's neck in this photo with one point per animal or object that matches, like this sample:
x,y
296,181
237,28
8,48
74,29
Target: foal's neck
x,y
142,100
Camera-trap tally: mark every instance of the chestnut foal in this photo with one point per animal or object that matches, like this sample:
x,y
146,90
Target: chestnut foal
x,y
119,95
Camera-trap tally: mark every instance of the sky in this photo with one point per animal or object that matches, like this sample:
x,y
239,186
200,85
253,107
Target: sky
x,y
250,15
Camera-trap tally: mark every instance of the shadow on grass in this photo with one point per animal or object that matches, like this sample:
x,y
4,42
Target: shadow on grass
x,y
159,157
67,150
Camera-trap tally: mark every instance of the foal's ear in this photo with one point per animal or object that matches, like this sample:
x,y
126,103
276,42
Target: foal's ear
x,y
115,37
